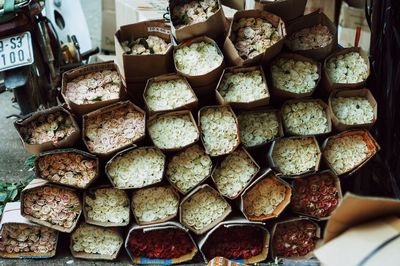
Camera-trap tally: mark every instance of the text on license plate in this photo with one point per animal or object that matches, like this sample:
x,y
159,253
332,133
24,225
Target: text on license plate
x,y
16,51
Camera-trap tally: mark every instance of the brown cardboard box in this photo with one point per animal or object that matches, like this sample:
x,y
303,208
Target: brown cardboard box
x,y
364,93
108,25
239,222
85,155
326,6
242,105
286,9
232,54
38,148
12,215
308,21
235,4
364,231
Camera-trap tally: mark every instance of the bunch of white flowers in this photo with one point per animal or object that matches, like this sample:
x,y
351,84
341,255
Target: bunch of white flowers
x,y
305,118
203,208
172,131
243,87
347,68
167,95
264,197
192,12
137,168
234,173
107,205
346,152
96,240
257,128
188,168
144,46
296,156
311,38
219,130
353,110
295,76
154,204
198,58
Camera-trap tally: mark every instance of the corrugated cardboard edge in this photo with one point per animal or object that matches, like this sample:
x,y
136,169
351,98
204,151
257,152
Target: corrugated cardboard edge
x,y
238,221
276,168
243,105
108,109
121,154
92,256
287,94
12,215
373,148
175,113
38,148
165,225
266,173
85,155
37,183
321,103
201,134
211,225
286,9
103,224
229,48
248,182
364,93
167,77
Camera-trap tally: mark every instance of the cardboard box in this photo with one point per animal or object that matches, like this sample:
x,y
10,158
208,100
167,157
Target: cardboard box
x,y
69,141
85,155
238,222
108,25
232,54
12,215
364,93
286,9
364,231
326,6
133,11
242,105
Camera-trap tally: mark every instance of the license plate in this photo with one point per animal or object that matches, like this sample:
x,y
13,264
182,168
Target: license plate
x,y
16,51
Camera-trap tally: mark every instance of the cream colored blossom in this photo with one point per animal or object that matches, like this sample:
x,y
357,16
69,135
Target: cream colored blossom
x,y
317,36
347,68
192,12
145,46
353,110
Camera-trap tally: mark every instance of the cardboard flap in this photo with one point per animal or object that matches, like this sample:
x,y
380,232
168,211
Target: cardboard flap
x,y
12,214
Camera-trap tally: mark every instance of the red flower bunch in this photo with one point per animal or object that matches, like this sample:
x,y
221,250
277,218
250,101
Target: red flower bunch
x,y
294,239
239,242
160,244
316,195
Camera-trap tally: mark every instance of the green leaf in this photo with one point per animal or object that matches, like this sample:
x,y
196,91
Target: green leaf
x,y
3,196
13,195
30,162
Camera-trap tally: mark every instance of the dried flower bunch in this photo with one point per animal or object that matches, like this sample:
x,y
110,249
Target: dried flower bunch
x,y
107,205
316,195
353,110
67,168
234,173
193,12
137,168
294,239
54,205
238,242
96,240
296,156
18,238
257,128
317,36
198,58
113,130
219,130
52,127
203,208
253,36
346,152
167,95
154,204
305,118
243,87
94,87
294,75
264,197
347,68
160,244
147,45
171,131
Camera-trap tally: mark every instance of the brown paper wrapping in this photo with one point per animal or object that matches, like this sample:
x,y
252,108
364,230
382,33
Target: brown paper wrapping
x,y
286,9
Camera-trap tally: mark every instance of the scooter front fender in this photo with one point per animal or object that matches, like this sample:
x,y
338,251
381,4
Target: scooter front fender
x,y
17,77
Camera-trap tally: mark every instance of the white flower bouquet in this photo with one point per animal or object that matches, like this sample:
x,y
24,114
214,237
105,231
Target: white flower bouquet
x,y
192,12
136,167
146,45
188,168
